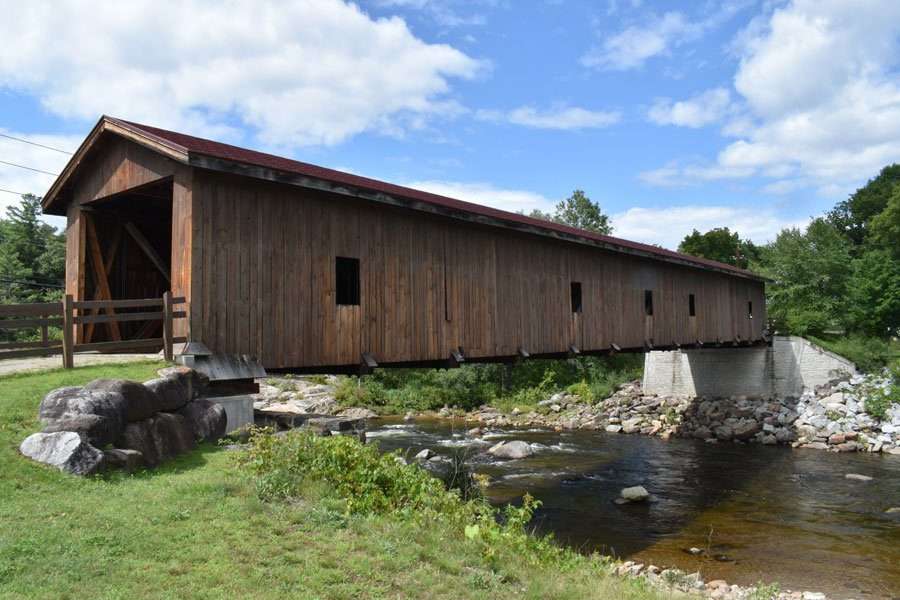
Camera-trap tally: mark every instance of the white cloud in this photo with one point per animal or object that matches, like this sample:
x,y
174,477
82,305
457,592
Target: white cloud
x,y
563,118
819,82
31,182
668,226
631,47
634,45
487,194
705,108
300,72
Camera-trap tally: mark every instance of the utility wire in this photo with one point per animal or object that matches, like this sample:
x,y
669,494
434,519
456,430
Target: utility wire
x,y
29,168
31,283
34,143
12,192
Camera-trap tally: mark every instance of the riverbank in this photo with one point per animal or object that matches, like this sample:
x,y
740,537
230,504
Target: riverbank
x,y
832,417
198,526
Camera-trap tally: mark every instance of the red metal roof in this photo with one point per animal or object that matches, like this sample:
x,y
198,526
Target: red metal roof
x,y
236,154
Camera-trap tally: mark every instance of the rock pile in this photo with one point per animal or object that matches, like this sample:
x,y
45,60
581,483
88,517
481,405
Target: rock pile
x,y
297,395
831,417
693,585
123,424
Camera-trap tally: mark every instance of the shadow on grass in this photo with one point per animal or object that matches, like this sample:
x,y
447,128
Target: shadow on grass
x,y
190,461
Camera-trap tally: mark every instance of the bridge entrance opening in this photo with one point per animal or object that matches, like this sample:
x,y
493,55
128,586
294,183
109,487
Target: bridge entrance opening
x,y
127,243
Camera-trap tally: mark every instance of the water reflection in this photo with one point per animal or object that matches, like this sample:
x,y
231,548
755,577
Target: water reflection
x,y
759,513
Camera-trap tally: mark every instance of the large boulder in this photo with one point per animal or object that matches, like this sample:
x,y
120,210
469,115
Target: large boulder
x,y
140,401
123,458
96,415
172,392
207,420
158,438
65,450
195,382
512,450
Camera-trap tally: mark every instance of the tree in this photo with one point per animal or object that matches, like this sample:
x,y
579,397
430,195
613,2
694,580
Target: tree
x,y
577,211
873,294
32,254
810,271
852,216
720,244
885,226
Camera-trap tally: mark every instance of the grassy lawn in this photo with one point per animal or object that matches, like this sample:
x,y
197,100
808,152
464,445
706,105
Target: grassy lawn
x,y
195,529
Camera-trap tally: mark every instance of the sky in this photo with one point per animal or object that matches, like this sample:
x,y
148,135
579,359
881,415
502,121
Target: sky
x,y
752,114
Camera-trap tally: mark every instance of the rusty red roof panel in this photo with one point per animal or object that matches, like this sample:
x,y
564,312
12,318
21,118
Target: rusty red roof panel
x,y
251,157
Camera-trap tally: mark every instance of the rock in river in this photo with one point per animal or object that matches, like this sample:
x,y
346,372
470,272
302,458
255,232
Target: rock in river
x,y
858,477
513,450
637,493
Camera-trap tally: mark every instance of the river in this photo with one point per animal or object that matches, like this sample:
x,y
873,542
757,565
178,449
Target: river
x,y
759,513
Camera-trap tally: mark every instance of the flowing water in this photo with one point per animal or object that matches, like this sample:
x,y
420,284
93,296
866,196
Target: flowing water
x,y
758,513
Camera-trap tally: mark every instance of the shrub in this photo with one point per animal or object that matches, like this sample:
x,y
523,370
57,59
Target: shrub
x,y
288,466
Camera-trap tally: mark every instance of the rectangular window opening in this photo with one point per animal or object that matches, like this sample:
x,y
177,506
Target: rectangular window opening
x,y
347,281
750,309
576,296
648,303
692,308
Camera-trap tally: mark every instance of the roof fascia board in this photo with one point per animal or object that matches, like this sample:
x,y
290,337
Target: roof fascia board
x,y
212,163
105,123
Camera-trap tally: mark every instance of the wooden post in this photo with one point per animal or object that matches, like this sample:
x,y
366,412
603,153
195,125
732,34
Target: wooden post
x,y
68,331
167,326
45,336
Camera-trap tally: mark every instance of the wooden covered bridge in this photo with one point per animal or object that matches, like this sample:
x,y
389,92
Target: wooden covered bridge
x,y
311,269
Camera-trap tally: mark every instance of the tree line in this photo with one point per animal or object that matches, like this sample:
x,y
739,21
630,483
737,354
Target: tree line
x,y
32,255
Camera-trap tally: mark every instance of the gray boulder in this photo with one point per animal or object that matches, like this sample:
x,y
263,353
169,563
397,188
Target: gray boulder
x,y
511,450
65,450
172,392
207,420
158,438
123,458
746,429
140,402
97,415
195,382
637,493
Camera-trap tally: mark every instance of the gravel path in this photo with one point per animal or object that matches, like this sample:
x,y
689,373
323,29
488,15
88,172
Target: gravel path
x,y
21,365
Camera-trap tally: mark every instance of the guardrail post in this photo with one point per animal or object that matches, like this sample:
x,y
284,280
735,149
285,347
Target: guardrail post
x,y
68,331
167,326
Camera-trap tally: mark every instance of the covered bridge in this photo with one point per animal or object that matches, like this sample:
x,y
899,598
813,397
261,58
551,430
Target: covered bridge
x,y
307,268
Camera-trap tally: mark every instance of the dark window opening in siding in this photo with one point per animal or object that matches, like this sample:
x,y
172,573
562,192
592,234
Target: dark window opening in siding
x,y
347,281
692,307
576,296
648,303
750,309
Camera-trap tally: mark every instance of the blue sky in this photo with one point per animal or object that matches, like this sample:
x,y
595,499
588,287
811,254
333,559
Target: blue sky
x,y
751,114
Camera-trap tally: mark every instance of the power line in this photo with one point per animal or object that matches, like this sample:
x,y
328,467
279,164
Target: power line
x,y
34,143
12,192
29,168
31,283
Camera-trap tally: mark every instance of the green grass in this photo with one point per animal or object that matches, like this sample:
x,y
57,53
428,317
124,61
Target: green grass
x,y
196,528
867,353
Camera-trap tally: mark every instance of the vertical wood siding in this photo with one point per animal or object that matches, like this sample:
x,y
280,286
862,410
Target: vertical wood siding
x,y
263,283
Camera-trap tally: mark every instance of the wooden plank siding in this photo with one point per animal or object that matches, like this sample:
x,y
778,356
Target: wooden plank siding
x,y
255,261
428,285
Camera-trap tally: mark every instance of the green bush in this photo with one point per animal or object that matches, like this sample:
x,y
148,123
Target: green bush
x,y
523,384
288,467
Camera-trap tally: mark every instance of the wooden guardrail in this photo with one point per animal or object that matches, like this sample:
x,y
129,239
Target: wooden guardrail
x,y
70,313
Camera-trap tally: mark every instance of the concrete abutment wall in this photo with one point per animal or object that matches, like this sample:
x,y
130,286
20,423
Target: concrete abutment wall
x,y
790,365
